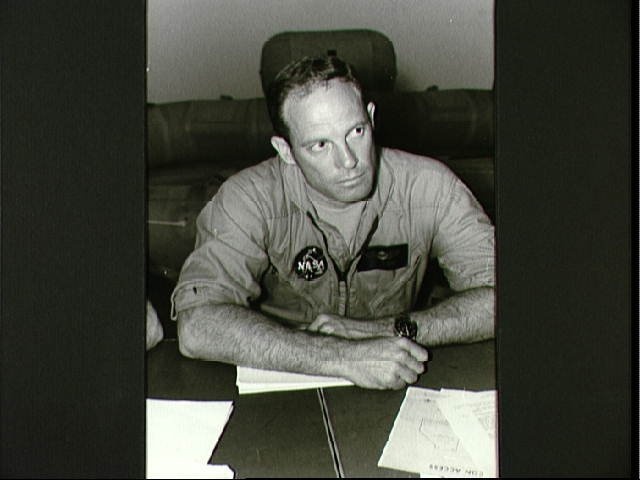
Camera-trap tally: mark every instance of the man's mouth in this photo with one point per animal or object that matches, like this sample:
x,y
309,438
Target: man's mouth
x,y
353,179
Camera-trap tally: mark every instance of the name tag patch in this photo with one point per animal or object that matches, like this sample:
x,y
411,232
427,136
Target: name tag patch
x,y
388,257
310,263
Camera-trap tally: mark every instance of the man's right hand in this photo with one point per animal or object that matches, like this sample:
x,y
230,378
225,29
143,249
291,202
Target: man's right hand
x,y
384,363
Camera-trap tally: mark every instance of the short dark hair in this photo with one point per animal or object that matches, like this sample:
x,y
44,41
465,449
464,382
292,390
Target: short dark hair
x,y
304,74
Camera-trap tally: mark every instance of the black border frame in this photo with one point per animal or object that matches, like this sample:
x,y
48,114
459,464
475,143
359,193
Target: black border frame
x,y
566,198
72,100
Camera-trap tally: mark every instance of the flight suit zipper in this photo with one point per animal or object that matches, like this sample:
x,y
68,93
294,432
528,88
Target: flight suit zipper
x,y
343,280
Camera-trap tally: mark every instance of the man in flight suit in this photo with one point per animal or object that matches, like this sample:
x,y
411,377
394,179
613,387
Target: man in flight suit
x,y
312,261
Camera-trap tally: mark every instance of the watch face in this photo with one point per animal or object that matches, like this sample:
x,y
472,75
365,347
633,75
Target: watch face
x,y
405,327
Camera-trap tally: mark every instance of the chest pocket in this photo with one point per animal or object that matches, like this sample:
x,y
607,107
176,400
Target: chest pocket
x,y
386,280
389,257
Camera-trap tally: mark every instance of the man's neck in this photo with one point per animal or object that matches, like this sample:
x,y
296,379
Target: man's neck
x,y
345,217
327,203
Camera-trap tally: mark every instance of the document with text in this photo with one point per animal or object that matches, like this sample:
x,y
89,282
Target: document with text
x,y
473,418
423,438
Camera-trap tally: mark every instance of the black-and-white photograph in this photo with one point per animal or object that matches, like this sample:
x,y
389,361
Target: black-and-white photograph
x,y
321,247
318,239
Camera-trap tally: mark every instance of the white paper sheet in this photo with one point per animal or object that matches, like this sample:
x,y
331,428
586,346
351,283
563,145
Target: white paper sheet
x,y
473,417
253,380
423,441
181,436
188,470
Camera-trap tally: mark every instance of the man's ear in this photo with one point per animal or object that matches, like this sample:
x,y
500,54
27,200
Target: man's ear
x,y
371,110
283,149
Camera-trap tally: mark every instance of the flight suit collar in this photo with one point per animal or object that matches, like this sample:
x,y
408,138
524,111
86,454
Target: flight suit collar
x,y
296,189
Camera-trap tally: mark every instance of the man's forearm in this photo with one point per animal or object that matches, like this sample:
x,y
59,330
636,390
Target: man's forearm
x,y
466,317
238,335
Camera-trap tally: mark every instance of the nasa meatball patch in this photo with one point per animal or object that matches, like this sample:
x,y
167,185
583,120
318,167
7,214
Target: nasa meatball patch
x,y
310,263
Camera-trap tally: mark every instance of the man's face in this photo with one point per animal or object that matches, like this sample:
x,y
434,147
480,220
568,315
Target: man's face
x,y
331,140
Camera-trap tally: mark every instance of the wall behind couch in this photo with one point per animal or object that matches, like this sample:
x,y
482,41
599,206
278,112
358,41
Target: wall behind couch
x,y
201,49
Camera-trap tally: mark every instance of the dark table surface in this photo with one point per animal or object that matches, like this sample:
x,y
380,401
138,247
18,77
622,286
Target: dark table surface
x,y
268,435
282,434
362,419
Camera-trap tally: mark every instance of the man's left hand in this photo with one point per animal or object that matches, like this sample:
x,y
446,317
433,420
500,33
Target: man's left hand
x,y
344,327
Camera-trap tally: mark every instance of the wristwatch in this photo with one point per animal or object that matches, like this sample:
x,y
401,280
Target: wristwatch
x,y
403,326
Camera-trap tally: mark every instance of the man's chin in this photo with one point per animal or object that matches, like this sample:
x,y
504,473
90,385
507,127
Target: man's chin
x,y
354,196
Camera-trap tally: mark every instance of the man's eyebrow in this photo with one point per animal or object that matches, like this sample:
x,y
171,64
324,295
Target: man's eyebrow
x,y
362,122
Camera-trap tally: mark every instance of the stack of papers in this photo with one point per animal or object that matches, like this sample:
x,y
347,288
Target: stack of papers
x,y
253,380
181,436
444,433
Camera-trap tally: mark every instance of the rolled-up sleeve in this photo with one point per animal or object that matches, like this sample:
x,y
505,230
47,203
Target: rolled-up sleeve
x,y
464,240
229,255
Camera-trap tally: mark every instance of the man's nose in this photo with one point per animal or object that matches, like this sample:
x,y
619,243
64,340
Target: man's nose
x,y
346,158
